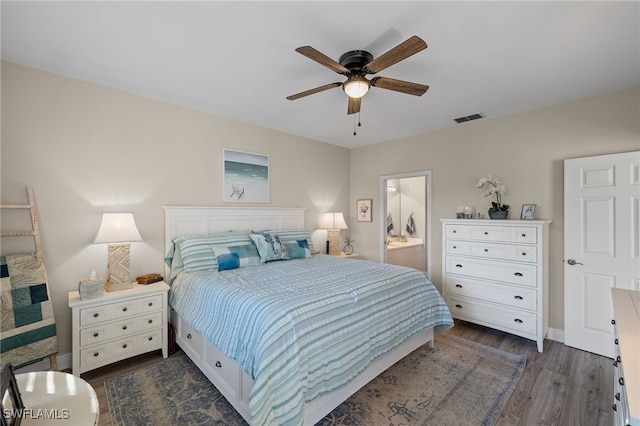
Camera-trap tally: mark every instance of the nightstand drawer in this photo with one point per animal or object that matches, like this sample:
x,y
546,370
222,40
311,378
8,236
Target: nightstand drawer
x,y
103,332
121,309
121,348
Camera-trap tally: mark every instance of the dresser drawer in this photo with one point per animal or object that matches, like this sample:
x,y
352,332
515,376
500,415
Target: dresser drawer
x,y
504,294
492,233
103,332
120,309
515,321
516,273
121,348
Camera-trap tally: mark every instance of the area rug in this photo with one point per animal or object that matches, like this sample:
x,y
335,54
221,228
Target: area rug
x,y
459,382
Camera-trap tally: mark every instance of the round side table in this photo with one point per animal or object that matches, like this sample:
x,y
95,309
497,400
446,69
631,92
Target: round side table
x,y
53,397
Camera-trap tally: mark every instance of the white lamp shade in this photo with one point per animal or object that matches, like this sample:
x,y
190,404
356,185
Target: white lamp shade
x,y
333,220
117,228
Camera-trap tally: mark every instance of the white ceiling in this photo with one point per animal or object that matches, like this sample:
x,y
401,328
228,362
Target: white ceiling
x,y
237,59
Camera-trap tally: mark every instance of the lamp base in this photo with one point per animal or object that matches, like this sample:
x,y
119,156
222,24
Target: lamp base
x,y
333,235
118,277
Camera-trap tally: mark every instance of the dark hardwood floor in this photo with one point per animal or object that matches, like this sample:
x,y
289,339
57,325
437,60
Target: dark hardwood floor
x,y
562,386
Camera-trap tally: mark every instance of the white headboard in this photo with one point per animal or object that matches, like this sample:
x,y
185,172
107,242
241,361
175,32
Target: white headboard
x,y
189,220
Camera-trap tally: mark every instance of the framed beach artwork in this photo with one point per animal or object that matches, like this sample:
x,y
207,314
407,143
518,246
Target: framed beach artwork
x,y
245,177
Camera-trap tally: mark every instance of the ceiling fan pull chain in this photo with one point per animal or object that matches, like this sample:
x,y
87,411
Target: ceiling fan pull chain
x,y
354,125
359,119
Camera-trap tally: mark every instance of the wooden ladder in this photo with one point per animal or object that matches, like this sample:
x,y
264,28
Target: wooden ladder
x,y
34,232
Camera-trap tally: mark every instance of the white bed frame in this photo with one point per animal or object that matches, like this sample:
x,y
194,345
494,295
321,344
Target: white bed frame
x,y
223,372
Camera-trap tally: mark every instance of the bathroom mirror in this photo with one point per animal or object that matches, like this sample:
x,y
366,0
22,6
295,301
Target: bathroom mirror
x,y
406,205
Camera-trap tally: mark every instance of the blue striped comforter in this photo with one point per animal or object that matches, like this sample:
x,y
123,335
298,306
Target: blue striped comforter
x,y
301,328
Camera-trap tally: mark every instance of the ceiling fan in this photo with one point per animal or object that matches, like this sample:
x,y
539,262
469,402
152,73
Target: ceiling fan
x,y
356,64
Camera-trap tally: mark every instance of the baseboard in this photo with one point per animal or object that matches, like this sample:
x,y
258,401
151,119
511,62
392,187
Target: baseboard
x,y
63,361
556,335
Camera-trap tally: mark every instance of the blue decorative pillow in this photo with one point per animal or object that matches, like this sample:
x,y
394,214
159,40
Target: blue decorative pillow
x,y
297,249
236,256
269,247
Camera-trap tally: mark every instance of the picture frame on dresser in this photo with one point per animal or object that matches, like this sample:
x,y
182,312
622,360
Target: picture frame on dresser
x,y
528,212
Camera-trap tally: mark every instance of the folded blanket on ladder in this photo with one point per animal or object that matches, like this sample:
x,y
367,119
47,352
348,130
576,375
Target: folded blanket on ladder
x,y
27,326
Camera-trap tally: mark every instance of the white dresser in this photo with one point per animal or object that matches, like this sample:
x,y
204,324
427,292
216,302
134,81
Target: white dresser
x,y
118,325
496,274
626,398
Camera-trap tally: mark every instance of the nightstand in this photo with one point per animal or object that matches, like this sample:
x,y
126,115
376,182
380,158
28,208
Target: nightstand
x,y
118,325
349,256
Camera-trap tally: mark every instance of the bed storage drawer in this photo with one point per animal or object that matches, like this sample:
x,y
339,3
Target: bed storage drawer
x,y
188,338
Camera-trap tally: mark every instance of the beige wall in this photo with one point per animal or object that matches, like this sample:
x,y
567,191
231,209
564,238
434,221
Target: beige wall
x,y
87,149
526,150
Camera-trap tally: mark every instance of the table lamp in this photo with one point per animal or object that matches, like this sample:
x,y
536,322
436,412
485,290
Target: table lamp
x,y
119,231
333,222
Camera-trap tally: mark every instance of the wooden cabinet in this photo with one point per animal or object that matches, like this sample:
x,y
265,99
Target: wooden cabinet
x,y
626,385
496,274
118,325
407,254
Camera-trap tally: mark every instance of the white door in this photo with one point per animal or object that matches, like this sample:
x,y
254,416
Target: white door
x,y
601,244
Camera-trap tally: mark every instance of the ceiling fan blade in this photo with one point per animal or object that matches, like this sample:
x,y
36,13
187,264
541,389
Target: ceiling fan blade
x,y
402,51
399,86
322,59
354,105
312,91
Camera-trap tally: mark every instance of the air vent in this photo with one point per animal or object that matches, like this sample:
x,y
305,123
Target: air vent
x,y
468,118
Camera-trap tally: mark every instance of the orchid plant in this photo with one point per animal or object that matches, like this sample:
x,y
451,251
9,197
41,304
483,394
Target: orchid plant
x,y
493,186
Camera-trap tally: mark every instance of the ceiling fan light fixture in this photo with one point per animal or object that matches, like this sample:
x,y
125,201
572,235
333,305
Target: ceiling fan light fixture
x,y
356,87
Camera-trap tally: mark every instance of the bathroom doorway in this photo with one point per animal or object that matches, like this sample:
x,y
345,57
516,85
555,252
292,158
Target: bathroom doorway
x,y
406,224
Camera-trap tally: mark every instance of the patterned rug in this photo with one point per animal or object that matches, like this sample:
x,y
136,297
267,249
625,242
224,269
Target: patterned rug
x,y
460,382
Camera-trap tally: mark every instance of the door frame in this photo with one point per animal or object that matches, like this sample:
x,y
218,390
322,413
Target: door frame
x,y
383,214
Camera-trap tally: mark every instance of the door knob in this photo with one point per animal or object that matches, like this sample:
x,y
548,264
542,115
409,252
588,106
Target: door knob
x,y
573,262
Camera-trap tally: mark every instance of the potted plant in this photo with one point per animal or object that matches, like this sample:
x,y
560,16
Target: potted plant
x,y
493,186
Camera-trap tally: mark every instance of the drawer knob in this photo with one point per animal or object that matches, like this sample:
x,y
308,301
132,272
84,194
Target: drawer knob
x,y
613,322
96,334
124,309
486,233
524,235
454,231
458,265
189,336
615,341
615,363
617,396
524,253
518,274
150,338
455,247
459,285
150,303
459,306
615,408
96,353
124,346
95,315
518,297
124,327
518,320
218,364
618,358
486,250
621,381
150,321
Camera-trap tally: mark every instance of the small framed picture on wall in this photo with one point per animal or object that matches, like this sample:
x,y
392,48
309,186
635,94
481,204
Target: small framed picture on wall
x,y
528,211
363,210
